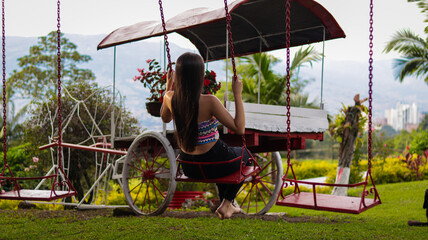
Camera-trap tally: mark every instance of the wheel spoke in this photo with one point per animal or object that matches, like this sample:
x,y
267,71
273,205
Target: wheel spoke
x,y
162,181
261,195
161,165
242,188
143,152
138,192
157,189
135,187
136,168
265,187
265,166
269,173
148,196
164,174
249,198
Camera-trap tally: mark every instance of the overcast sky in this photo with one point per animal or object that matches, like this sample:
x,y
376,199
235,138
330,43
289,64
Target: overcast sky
x,y
90,17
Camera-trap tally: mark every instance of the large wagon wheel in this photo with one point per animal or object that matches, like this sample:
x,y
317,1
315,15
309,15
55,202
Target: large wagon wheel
x,y
260,192
149,174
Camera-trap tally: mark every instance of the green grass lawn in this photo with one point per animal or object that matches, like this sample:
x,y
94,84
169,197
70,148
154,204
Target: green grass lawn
x,y
400,202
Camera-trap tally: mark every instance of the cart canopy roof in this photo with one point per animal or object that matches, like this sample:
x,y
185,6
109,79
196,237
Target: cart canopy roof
x,y
257,26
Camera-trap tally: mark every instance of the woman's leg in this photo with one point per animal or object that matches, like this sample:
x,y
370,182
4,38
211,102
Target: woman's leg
x,y
230,191
221,190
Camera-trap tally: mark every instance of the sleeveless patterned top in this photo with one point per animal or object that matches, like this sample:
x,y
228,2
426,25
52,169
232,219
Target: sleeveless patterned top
x,y
207,131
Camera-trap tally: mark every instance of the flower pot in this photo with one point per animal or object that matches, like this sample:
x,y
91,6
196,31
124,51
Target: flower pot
x,y
153,108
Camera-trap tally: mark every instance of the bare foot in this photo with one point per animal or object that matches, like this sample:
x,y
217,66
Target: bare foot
x,y
226,210
236,208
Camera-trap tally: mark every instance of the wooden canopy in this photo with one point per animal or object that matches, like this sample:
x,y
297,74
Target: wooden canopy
x,y
257,26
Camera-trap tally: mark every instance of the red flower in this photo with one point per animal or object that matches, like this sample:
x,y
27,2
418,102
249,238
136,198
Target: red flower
x,y
161,99
164,77
219,85
213,73
206,82
149,60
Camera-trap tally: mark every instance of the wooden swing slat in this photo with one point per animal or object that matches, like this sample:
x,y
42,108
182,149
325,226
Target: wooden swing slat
x,y
326,202
36,195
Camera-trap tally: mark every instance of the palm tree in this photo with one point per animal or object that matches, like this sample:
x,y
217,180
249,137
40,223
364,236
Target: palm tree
x,y
414,51
272,85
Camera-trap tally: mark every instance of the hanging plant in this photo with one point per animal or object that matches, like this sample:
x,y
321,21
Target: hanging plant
x,y
210,83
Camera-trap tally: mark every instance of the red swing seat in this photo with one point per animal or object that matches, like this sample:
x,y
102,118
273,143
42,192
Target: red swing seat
x,y
239,176
36,194
327,202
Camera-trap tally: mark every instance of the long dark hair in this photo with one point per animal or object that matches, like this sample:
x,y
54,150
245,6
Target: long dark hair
x,y
189,75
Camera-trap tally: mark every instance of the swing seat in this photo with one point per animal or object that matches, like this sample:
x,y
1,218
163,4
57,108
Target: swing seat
x,y
237,177
327,202
36,194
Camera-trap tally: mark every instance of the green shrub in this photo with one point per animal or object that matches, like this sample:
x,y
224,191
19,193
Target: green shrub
x,y
13,205
394,170
303,188
419,143
310,169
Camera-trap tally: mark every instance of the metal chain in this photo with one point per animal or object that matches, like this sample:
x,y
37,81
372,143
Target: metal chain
x,y
370,87
229,30
165,35
288,43
59,86
4,90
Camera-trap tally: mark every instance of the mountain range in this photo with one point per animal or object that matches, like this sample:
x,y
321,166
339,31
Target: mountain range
x,y
341,79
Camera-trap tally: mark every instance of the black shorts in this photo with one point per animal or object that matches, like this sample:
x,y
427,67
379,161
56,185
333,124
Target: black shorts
x,y
219,152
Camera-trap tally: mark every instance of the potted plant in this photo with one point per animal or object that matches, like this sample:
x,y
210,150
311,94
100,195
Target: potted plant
x,y
154,79
210,83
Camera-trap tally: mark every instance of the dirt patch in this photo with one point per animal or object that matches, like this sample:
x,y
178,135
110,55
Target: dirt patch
x,y
70,214
79,215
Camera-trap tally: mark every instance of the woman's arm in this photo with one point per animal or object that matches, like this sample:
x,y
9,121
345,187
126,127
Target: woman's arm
x,y
166,112
236,124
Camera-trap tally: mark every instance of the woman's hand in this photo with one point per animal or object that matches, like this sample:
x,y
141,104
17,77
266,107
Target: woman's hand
x,y
236,87
170,80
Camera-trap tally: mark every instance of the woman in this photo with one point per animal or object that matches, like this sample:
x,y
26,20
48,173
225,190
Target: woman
x,y
196,117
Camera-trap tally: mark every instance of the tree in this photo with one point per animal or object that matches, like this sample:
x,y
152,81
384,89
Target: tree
x,y
413,50
345,129
272,85
38,75
37,80
424,124
14,131
40,126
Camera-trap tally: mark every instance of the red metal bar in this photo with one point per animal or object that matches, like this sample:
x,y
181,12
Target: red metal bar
x,y
325,184
82,147
315,195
